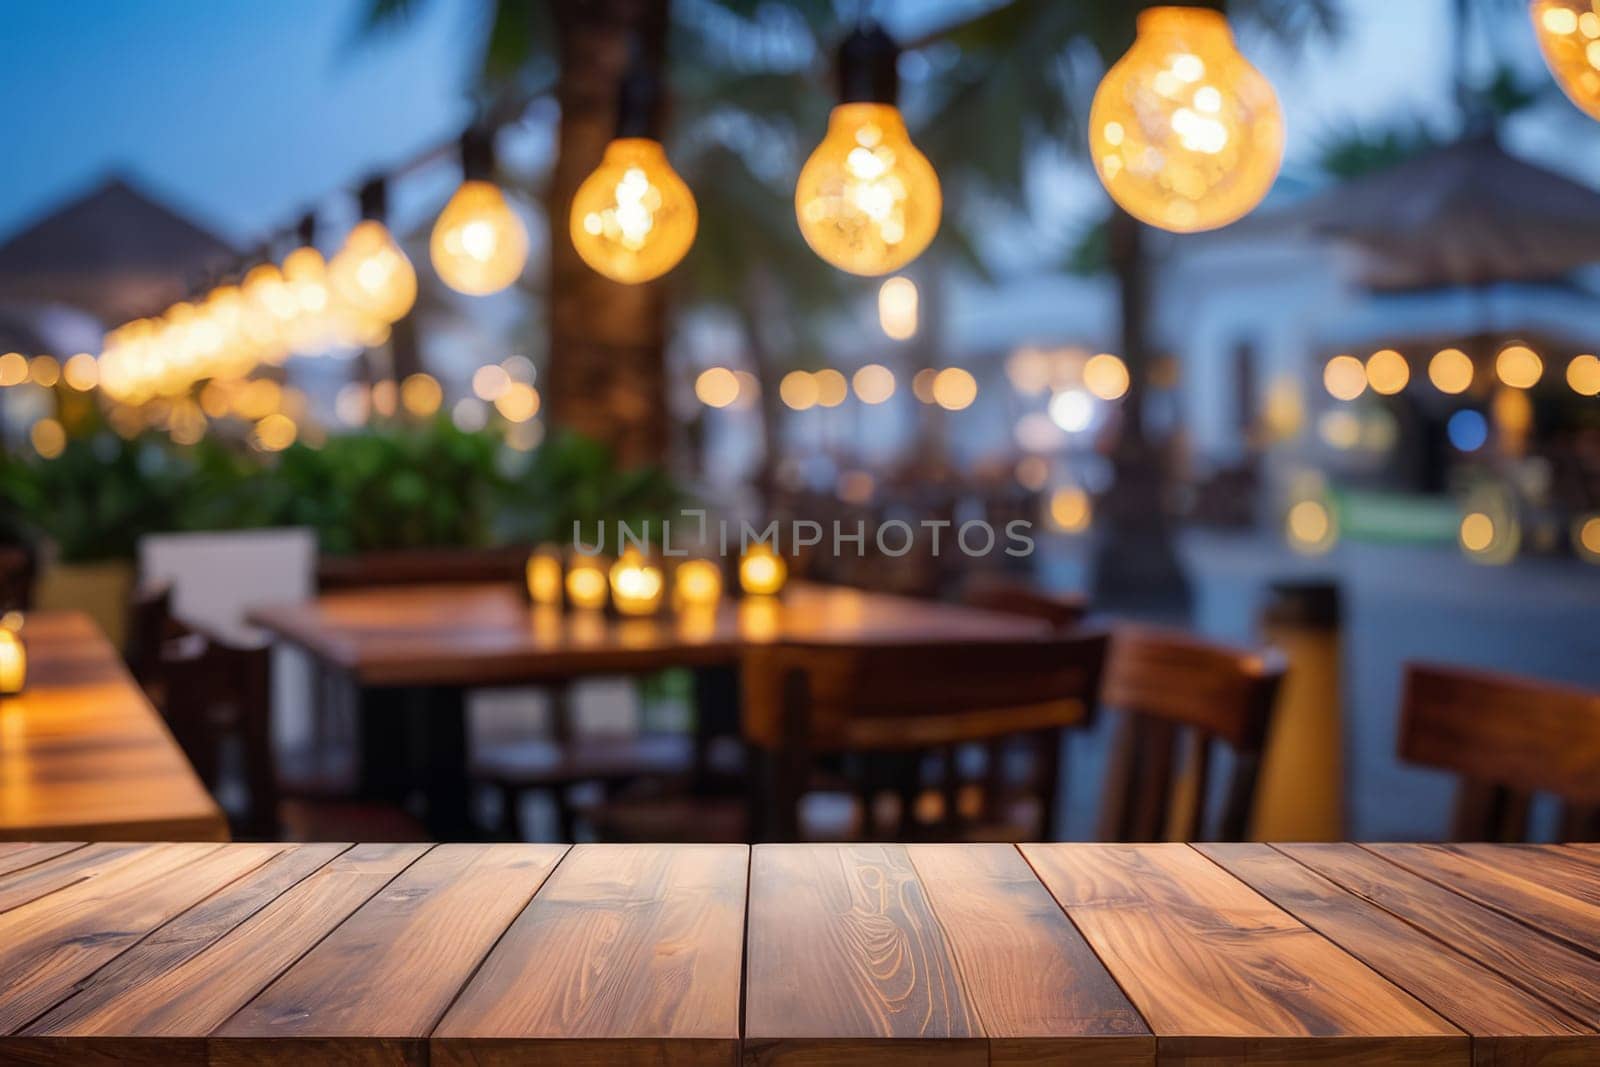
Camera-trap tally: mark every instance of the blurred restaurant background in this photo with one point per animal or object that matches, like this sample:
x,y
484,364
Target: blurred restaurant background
x,y
304,299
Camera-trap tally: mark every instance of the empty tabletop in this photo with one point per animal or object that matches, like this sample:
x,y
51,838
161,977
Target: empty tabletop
x,y
478,634
798,954
84,755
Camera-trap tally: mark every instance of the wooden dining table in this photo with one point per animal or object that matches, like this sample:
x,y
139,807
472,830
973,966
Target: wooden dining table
x,y
84,755
413,652
458,954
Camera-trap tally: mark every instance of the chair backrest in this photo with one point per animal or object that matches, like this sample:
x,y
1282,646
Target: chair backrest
x,y
1013,596
895,701
1172,688
1508,739
218,697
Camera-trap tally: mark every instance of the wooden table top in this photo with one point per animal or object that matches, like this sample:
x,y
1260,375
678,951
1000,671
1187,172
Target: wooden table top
x,y
485,634
803,954
84,755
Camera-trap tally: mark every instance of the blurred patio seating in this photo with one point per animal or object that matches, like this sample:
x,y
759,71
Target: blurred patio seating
x,y
1507,739
1178,698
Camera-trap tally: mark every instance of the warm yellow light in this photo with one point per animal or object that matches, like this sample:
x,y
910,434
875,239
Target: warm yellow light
x,y
257,399
1106,376
897,308
81,372
1071,509
489,381
696,583
717,387
832,387
421,395
867,201
1184,133
48,438
383,397
633,219
1387,372
1569,36
479,245
1583,374
873,383
543,577
1310,527
1450,371
1029,371
1586,537
1477,532
275,432
373,275
636,584
762,571
922,384
13,368
954,389
798,390
1344,377
45,371
1519,366
587,586
518,403
13,656
1284,413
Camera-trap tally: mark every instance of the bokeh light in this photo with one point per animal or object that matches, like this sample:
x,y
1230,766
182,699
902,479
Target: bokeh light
x,y
1468,430
873,383
1106,376
716,387
1344,377
1387,372
1450,371
954,389
1519,366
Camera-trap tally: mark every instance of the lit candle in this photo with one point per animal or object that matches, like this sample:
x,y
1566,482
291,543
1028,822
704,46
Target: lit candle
x,y
636,584
544,577
13,656
696,583
586,582
762,571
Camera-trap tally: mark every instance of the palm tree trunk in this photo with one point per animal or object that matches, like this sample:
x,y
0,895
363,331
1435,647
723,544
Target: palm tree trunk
x,y
1136,568
606,374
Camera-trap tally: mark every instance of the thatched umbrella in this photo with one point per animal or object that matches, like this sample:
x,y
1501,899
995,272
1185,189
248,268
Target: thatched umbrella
x,y
115,252
1467,214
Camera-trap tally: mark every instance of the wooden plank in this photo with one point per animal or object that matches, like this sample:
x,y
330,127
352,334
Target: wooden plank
x,y
1508,1024
69,868
15,855
1535,884
116,990
629,954
846,961
166,1004
373,990
86,757
1542,965
50,944
1219,972
1036,987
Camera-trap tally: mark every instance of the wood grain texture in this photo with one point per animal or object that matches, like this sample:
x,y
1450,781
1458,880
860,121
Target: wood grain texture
x,y
631,953
479,634
1533,883
1506,1021
85,755
1218,971
846,961
378,984
50,944
1566,978
15,855
174,971
69,868
1037,989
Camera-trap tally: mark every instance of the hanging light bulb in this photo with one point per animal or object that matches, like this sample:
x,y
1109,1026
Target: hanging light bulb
x,y
479,246
1569,36
633,218
370,272
1185,134
867,201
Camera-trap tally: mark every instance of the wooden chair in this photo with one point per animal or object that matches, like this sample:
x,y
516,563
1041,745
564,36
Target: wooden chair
x,y
1508,739
1013,596
218,706
17,568
1170,687
876,710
